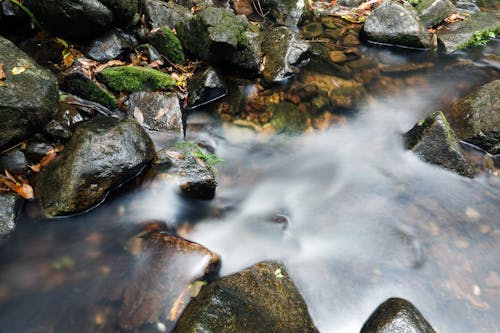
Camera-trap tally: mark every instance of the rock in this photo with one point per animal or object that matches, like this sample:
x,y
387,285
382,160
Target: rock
x,y
475,30
219,36
14,161
204,87
184,165
312,30
337,56
102,153
396,24
135,78
433,140
10,205
288,118
57,130
396,315
433,12
350,3
286,12
159,13
476,117
75,80
13,18
112,45
167,43
169,270
262,298
283,50
150,52
467,7
123,10
27,99
158,111
36,150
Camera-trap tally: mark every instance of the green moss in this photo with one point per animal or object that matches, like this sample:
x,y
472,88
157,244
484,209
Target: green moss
x,y
167,43
135,78
88,89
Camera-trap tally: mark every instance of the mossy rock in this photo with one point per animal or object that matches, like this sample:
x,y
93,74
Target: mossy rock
x,y
77,83
167,43
287,118
135,78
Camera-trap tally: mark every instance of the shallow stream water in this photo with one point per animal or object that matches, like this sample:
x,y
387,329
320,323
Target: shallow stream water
x,y
355,218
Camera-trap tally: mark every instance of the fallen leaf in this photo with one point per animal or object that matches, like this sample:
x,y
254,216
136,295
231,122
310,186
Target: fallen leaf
x,y
2,73
110,63
19,185
51,154
19,69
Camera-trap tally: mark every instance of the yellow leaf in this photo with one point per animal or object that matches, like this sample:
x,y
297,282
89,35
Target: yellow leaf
x,y
18,70
2,73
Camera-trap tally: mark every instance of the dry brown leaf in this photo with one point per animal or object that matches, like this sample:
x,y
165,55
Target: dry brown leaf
x,y
176,308
454,18
51,154
2,73
19,185
110,63
19,69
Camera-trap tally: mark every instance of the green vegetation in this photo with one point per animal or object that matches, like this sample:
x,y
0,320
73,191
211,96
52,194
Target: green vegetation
x,y
482,38
84,87
167,43
191,148
135,78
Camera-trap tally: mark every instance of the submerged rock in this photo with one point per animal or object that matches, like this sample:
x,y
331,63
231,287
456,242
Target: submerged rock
x,y
158,111
286,12
287,118
476,117
169,270
475,30
167,43
204,87
396,24
135,78
112,45
28,95
433,12
433,140
219,36
160,13
396,315
262,298
102,153
10,204
283,50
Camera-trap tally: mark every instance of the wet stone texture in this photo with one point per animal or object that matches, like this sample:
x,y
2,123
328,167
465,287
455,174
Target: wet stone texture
x,y
287,12
10,203
163,281
262,298
433,12
102,153
112,45
159,13
433,140
397,315
204,87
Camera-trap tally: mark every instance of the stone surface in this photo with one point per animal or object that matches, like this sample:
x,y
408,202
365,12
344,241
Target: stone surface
x,y
204,87
476,117
163,278
459,35
14,161
433,140
27,99
396,24
57,130
112,45
283,50
286,12
219,36
10,204
183,166
287,118
158,111
396,315
262,298
135,78
160,13
433,12
167,43
102,153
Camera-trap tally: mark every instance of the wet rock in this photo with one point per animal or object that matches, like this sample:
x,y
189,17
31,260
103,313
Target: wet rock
x,y
159,13
135,78
286,12
169,270
283,50
476,118
27,99
167,43
312,30
150,52
476,29
123,10
10,204
287,118
219,36
467,7
36,150
262,298
184,165
433,140
13,18
158,111
337,56
396,315
396,24
75,80
433,12
350,3
14,161
57,130
112,45
102,153
204,87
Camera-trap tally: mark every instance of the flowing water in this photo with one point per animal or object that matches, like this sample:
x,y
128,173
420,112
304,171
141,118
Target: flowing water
x,y
355,218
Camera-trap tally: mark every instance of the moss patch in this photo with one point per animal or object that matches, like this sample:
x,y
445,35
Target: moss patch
x,y
167,43
78,84
135,78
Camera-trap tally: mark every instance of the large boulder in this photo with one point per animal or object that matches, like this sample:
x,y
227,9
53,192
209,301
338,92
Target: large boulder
x,y
396,315
262,298
219,36
102,153
28,95
10,204
396,24
476,117
433,140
